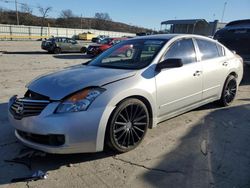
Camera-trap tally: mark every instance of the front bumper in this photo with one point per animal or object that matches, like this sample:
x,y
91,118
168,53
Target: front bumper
x,y
47,48
83,131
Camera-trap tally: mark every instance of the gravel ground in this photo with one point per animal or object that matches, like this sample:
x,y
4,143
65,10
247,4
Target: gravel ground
x,y
207,147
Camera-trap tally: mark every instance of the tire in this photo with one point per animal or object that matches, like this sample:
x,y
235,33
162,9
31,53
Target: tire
x,y
128,53
57,50
128,125
229,91
83,50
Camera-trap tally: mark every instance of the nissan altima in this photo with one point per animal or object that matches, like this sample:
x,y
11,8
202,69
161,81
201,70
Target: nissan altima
x,y
114,99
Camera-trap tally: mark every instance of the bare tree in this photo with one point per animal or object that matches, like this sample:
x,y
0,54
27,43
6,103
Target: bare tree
x,y
103,16
44,11
26,9
26,16
67,14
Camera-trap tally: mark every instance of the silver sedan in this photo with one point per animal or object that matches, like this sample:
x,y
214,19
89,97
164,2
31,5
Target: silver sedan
x,y
115,98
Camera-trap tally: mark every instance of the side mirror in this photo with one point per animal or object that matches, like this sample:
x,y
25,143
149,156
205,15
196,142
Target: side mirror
x,y
169,63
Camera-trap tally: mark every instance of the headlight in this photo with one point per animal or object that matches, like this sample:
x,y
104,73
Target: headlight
x,y
79,101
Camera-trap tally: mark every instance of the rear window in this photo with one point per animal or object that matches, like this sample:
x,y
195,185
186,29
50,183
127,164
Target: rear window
x,y
221,50
208,49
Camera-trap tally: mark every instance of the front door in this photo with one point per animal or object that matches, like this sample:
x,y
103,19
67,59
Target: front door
x,y
180,87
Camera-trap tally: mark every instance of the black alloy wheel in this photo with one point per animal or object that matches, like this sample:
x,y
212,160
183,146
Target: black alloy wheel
x,y
128,126
229,91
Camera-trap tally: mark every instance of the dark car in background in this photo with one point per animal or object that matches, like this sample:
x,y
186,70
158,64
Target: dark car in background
x,y
236,36
99,38
103,45
62,44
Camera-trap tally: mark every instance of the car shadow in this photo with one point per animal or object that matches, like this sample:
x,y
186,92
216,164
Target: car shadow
x,y
25,52
10,149
215,152
246,76
72,56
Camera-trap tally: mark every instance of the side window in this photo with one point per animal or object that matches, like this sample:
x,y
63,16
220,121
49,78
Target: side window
x,y
182,49
64,40
208,49
221,50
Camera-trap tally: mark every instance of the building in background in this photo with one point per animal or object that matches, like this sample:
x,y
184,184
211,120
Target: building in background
x,y
193,26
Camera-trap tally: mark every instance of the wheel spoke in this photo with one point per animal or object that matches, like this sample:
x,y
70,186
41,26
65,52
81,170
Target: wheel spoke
x,y
139,118
124,139
120,123
126,112
139,129
140,112
121,135
123,118
136,110
131,112
128,138
119,129
139,123
132,136
136,134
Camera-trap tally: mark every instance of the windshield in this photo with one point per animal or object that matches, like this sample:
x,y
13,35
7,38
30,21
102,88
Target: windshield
x,y
130,54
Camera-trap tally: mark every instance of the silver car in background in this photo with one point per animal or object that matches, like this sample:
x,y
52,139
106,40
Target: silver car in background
x,y
115,98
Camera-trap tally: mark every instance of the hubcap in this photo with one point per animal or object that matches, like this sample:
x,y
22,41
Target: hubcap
x,y
130,125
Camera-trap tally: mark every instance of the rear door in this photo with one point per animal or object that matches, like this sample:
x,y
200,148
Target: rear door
x,y
215,67
75,46
180,87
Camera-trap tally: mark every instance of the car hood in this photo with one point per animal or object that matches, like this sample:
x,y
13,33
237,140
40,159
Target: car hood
x,y
60,84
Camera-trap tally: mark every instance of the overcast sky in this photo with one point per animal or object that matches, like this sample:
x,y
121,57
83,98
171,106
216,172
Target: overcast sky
x,y
146,13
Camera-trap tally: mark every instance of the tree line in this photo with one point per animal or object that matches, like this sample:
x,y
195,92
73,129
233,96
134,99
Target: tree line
x,y
66,19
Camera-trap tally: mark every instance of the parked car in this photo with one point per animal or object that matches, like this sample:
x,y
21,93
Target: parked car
x,y
114,99
96,49
236,36
99,38
62,44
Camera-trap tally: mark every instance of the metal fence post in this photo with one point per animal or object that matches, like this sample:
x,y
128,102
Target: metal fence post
x,y
10,32
29,29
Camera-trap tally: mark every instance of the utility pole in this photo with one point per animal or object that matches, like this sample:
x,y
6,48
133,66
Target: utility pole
x,y
223,12
17,18
81,21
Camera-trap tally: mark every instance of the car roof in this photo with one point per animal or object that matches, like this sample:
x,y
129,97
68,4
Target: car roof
x,y
169,36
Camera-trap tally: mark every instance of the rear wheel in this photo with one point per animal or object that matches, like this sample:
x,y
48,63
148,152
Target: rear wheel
x,y
83,50
128,125
229,91
57,50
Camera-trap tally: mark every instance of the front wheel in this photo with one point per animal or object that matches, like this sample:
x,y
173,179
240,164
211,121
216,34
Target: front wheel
x,y
128,125
229,91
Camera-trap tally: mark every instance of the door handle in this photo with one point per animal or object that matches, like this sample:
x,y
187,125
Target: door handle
x,y
197,73
225,64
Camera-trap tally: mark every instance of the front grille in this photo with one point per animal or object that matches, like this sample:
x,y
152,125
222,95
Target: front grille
x,y
51,140
26,107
